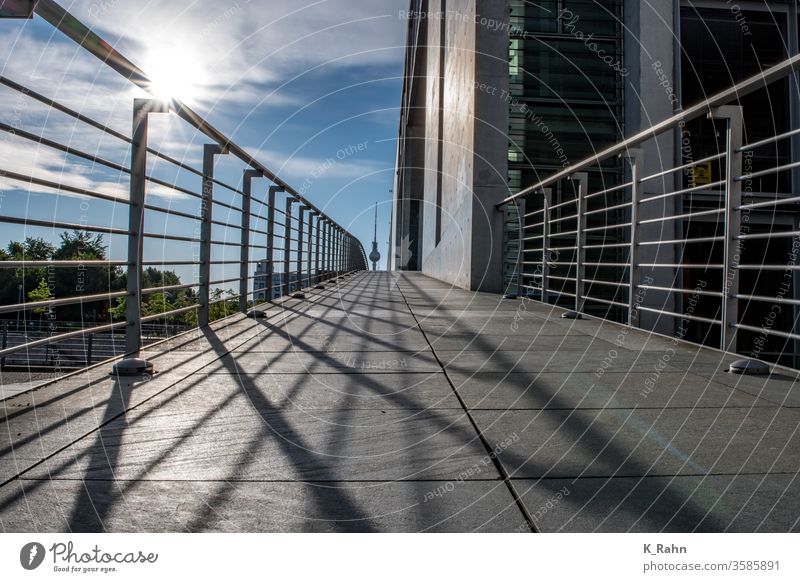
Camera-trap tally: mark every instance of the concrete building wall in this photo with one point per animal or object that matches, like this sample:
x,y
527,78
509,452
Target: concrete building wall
x,y
468,176
490,170
447,254
431,149
393,259
409,185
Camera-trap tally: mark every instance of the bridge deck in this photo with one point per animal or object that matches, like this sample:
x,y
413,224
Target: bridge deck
x,y
373,407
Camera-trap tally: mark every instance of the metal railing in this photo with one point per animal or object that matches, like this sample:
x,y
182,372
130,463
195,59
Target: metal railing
x,y
688,247
277,229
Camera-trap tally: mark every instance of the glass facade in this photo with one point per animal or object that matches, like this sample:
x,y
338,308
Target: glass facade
x,y
717,53
566,85
722,46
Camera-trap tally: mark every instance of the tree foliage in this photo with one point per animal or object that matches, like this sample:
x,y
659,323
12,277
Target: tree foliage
x,y
15,284
39,283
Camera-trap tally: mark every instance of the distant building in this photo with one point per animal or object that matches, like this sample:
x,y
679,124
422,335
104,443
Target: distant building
x,y
260,282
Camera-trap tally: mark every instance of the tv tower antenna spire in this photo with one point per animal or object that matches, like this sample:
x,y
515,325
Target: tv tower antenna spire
x,y
375,256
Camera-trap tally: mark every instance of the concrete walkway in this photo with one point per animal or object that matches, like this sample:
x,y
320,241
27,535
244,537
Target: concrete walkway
x,y
395,403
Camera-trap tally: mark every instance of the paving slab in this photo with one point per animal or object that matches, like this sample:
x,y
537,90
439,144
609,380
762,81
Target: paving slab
x,y
553,360
347,343
564,390
626,443
487,342
247,362
677,504
782,387
411,391
233,507
262,444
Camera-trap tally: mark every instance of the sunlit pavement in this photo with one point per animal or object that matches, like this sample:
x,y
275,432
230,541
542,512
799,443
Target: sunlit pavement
x,y
392,402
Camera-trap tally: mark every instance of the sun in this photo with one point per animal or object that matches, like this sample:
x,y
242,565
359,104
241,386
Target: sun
x,y
175,74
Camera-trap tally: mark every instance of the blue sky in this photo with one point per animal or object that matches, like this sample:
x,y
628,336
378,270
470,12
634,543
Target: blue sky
x,y
311,88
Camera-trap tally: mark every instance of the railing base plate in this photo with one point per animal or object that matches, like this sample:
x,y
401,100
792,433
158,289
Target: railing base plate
x,y
748,368
132,367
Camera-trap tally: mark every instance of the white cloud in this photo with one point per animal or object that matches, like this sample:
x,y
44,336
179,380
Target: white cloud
x,y
30,159
301,168
236,52
241,52
247,45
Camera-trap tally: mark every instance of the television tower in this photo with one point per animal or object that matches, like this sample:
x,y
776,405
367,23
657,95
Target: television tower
x,y
375,256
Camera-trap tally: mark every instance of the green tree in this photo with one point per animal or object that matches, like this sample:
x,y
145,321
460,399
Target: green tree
x,y
157,303
84,280
62,281
41,293
79,244
223,307
118,311
162,301
39,282
153,278
16,282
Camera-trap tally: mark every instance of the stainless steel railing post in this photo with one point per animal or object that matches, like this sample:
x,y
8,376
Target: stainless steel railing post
x,y
270,267
733,223
287,246
636,161
317,256
132,364
301,221
547,199
582,180
309,247
206,212
245,240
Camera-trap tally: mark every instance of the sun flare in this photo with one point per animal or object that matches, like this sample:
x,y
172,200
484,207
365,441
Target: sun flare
x,y
175,74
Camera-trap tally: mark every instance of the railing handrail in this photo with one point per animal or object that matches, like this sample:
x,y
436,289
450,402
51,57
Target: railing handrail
x,y
738,90
612,280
